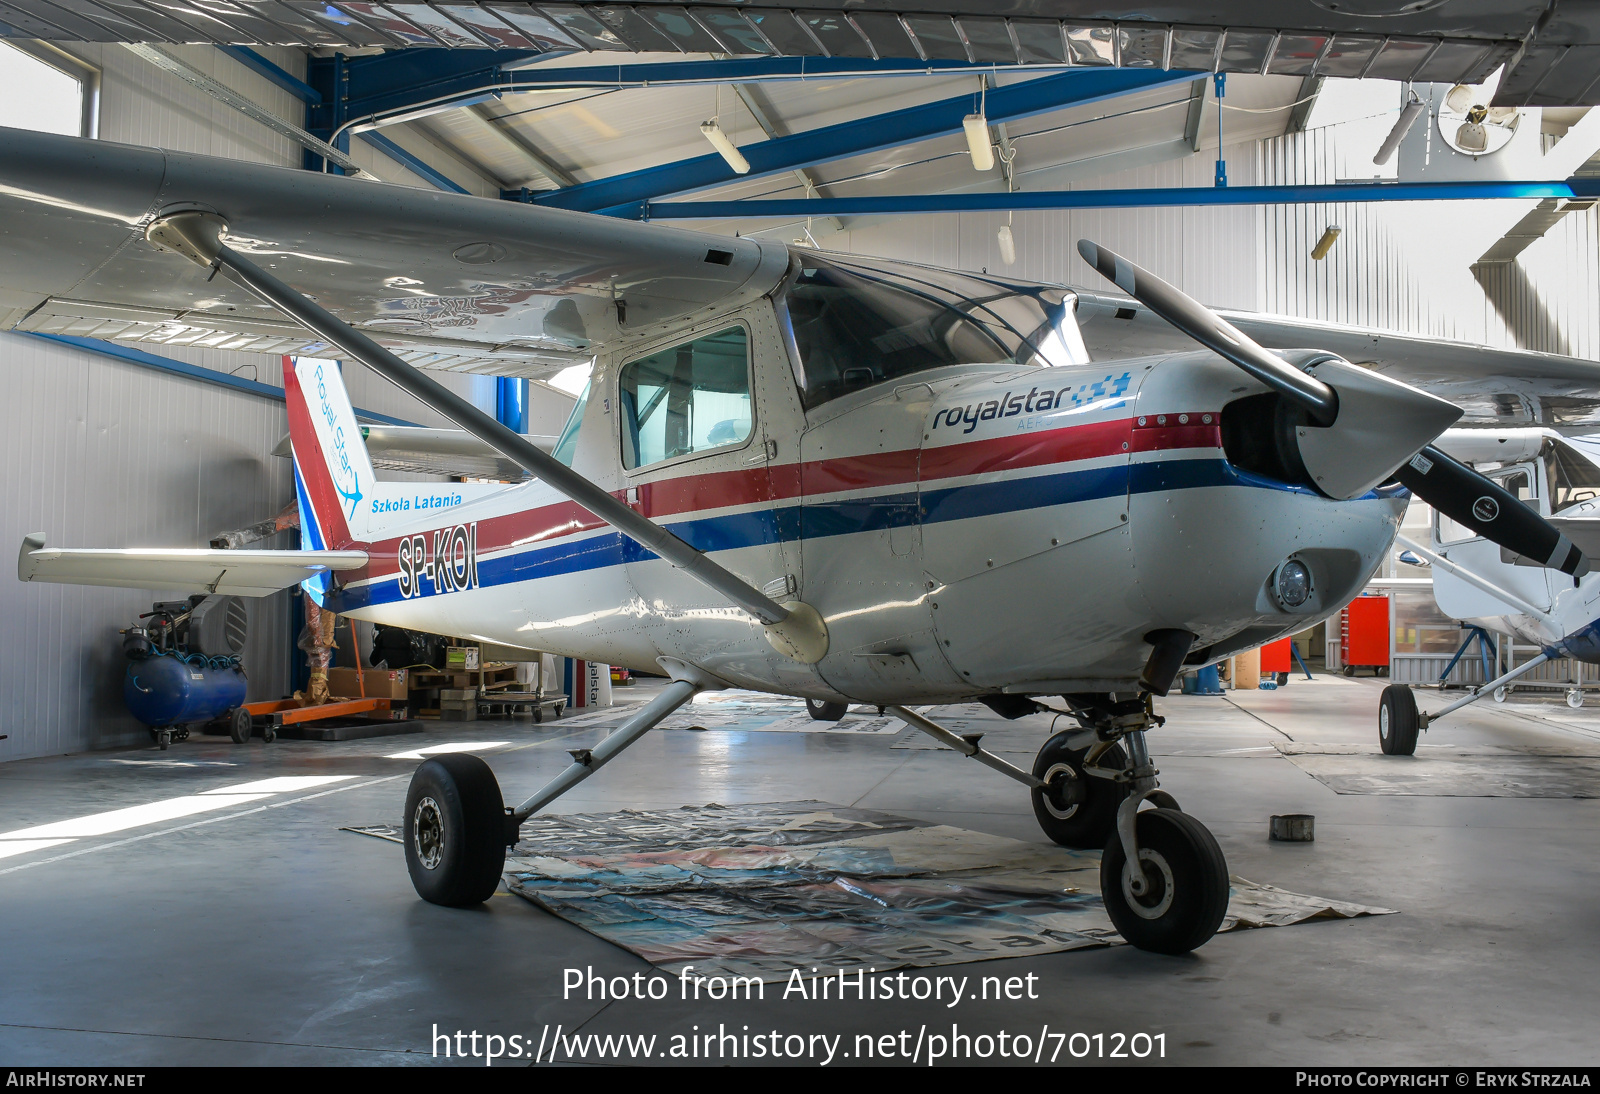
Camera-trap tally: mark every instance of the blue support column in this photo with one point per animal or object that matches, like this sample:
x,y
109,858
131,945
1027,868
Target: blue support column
x,y
511,402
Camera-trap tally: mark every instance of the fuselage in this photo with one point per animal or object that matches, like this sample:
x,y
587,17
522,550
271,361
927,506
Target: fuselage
x,y
966,530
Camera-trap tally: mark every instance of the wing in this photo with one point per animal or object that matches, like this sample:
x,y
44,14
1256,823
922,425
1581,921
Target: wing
x,y
245,573
1493,386
426,451
448,281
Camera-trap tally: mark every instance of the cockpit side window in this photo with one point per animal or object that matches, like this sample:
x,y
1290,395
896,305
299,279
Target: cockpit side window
x,y
1570,478
853,331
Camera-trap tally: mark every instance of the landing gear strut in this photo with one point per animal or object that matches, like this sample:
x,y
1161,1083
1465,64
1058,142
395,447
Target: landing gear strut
x,y
1162,876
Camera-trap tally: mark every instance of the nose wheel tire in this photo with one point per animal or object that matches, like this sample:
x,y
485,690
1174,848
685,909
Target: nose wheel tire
x,y
1074,809
455,831
1186,884
826,712
1397,721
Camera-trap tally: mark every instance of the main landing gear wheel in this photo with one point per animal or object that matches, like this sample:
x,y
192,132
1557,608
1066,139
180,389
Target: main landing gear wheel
x,y
455,831
1186,884
826,712
1074,809
239,726
1397,721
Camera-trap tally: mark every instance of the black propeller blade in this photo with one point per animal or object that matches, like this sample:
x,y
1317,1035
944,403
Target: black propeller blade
x,y
1448,485
1490,510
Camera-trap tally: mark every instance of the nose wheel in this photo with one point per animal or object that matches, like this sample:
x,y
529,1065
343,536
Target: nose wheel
x,y
1091,783
1176,898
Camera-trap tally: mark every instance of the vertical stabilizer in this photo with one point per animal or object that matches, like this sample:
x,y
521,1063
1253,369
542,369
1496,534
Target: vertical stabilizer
x,y
333,475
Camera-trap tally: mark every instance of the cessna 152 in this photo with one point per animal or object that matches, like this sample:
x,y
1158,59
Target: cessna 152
x,y
821,476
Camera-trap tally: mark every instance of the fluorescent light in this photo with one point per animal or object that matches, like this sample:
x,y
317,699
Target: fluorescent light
x,y
1325,244
1008,245
434,750
976,127
719,140
1408,116
281,785
23,846
100,824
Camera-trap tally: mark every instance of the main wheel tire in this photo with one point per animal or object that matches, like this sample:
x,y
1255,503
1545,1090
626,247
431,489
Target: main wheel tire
x,y
1397,721
1187,884
239,726
455,831
1074,809
826,712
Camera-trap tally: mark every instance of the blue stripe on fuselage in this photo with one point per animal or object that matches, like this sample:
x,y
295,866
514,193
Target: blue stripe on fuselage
x,y
817,520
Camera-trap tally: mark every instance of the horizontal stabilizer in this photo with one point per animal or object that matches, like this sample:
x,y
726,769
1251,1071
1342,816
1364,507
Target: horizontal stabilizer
x,y
243,573
424,451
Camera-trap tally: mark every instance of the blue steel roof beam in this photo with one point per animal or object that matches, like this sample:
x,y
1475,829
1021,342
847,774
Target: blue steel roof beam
x,y
410,162
621,194
263,67
1155,197
383,86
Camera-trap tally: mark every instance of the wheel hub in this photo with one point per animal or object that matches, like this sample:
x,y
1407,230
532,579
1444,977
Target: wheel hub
x,y
1064,791
427,833
1383,722
1156,899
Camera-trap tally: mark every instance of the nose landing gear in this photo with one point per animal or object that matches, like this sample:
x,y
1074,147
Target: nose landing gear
x,y
1162,876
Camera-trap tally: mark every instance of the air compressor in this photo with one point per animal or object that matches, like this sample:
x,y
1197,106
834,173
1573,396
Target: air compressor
x,y
183,667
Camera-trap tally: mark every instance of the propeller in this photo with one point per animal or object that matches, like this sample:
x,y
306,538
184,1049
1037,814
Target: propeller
x,y
1357,428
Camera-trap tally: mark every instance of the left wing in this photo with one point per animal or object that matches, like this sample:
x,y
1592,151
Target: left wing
x,y
446,281
245,573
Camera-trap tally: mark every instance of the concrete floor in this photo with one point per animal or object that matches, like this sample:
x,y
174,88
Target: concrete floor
x,y
261,934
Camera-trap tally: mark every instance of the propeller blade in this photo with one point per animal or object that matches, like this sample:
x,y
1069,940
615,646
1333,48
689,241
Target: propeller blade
x,y
1480,503
1213,332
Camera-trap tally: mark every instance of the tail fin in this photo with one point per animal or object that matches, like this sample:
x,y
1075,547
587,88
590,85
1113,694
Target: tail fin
x,y
333,474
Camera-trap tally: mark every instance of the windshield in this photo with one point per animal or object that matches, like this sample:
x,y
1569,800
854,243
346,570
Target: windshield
x,y
857,325
567,444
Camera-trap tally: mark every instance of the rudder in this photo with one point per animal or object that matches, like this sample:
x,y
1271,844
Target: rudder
x,y
333,474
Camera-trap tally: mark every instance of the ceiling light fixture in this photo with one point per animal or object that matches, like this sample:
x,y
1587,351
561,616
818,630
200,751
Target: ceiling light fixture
x,y
1408,117
719,140
1325,244
976,127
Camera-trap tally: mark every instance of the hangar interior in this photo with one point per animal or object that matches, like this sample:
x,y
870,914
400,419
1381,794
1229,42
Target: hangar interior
x,y
247,903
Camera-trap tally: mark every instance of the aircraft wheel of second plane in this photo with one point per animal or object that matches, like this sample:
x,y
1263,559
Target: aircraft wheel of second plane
x,y
455,831
1397,721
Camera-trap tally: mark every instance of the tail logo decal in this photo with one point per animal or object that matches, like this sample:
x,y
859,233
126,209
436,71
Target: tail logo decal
x,y
345,479
449,562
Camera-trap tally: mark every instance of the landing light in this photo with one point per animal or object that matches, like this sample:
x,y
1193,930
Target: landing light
x,y
1294,584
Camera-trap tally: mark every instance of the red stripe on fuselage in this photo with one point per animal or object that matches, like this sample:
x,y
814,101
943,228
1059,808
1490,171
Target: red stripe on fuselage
x,y
313,463
728,489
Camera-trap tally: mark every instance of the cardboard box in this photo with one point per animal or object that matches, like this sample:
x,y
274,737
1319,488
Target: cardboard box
x,y
380,683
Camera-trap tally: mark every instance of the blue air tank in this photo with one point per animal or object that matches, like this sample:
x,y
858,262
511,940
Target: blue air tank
x,y
164,691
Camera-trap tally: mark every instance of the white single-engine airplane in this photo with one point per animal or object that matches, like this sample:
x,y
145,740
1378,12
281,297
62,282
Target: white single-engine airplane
x,y
1486,585
829,477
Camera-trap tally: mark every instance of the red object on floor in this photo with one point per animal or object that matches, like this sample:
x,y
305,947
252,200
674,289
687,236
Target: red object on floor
x,y
1275,656
1365,632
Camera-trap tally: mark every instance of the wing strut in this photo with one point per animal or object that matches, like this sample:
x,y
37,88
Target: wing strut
x,y
794,629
